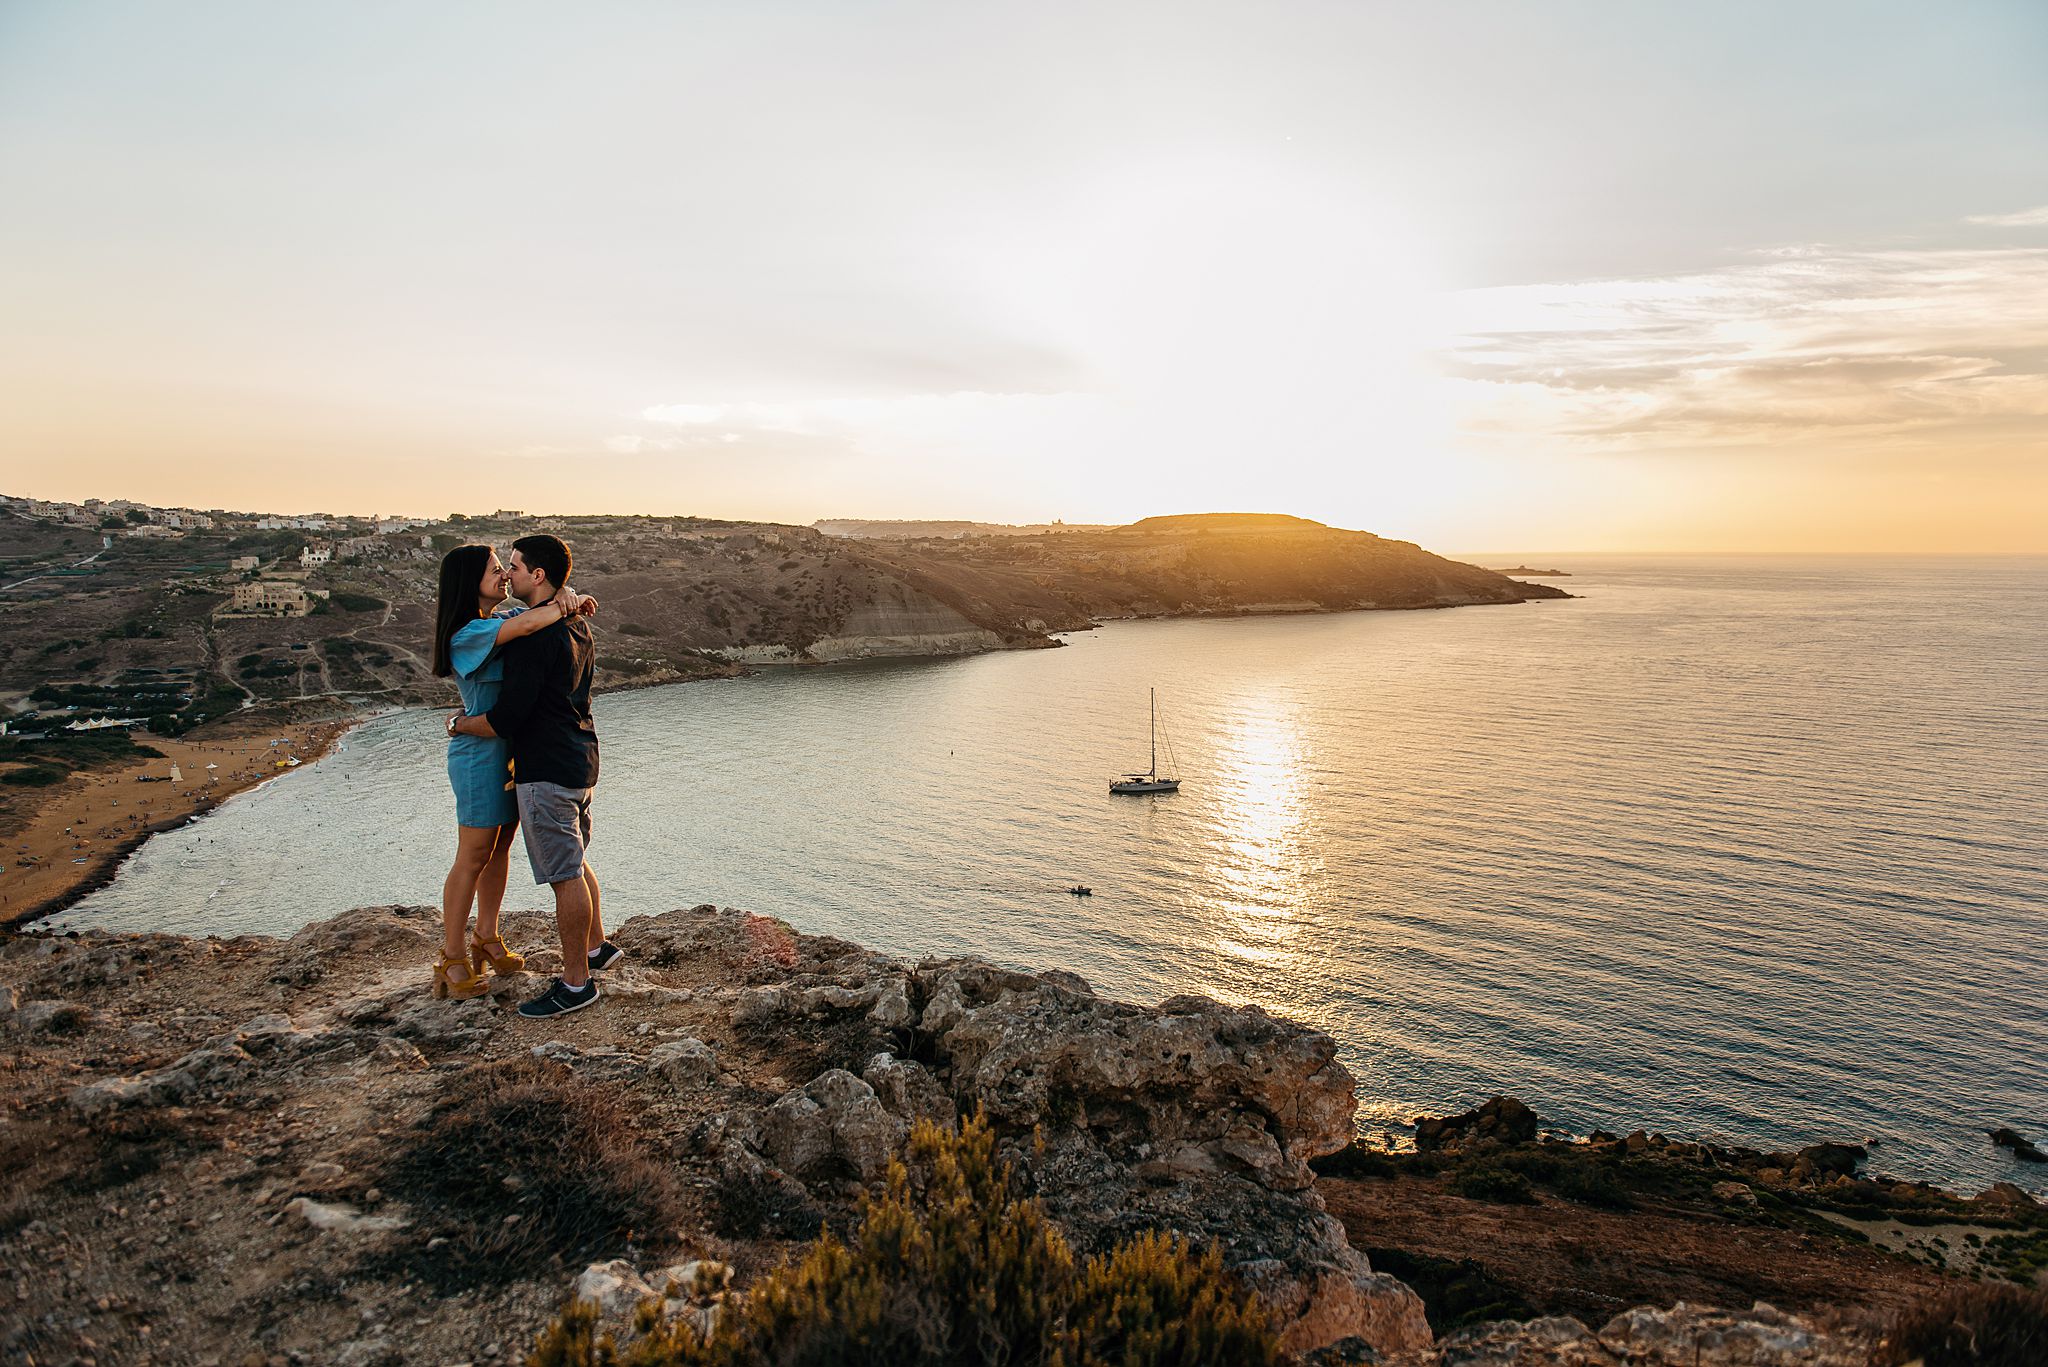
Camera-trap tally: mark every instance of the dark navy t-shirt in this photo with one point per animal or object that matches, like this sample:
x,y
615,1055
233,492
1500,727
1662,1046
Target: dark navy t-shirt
x,y
543,710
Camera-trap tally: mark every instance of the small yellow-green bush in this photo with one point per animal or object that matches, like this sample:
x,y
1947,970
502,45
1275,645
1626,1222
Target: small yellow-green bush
x,y
948,1269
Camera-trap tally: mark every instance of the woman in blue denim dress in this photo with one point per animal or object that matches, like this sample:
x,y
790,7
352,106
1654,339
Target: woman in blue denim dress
x,y
468,632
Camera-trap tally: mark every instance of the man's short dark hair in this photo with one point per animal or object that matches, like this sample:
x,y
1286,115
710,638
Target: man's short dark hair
x,y
548,554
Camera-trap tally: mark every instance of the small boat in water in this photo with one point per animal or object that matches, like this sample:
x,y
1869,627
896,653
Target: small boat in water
x,y
1151,781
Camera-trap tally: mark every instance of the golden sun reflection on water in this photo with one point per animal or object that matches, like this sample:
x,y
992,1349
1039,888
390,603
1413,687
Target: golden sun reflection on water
x,y
1261,862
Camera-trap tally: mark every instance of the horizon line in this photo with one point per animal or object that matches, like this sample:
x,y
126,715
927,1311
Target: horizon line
x,y
1077,523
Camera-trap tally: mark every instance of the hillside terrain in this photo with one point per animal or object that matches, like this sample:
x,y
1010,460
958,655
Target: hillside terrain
x,y
106,622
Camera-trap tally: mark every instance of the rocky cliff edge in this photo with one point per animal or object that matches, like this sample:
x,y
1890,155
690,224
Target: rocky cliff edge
x,y
238,1151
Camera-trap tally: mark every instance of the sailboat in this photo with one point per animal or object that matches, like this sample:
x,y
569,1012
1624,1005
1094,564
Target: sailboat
x,y
1151,781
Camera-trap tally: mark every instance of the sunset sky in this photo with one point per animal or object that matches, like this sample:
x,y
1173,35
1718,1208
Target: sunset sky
x,y
1480,274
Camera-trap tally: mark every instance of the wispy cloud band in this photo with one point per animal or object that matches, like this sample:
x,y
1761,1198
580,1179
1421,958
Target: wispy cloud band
x,y
2025,218
1818,340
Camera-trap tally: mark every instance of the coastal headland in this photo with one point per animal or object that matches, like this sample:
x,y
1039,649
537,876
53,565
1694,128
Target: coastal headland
x,y
201,621
261,1149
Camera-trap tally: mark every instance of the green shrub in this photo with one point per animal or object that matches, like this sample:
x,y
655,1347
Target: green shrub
x,y
32,778
1984,1324
949,1269
1357,1160
356,602
1571,1172
635,629
1590,1184
2019,1257
1493,1184
1152,1302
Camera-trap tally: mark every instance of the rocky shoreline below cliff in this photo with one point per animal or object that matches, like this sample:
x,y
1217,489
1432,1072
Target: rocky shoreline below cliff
x,y
279,1151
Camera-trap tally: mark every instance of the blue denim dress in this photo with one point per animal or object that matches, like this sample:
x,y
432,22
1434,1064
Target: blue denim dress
x,y
480,767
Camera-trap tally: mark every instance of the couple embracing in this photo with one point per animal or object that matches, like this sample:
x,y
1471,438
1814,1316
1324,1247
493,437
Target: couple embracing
x,y
522,752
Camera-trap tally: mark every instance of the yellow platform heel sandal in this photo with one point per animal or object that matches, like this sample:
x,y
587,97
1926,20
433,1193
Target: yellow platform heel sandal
x,y
503,961
454,979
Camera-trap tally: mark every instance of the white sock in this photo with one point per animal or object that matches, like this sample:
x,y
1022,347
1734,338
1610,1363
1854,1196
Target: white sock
x,y
593,953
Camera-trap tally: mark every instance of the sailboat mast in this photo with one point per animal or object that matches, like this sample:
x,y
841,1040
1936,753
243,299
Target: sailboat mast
x,y
1154,770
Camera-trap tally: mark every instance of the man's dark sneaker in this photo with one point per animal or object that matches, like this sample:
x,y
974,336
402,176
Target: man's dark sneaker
x,y
604,956
559,1000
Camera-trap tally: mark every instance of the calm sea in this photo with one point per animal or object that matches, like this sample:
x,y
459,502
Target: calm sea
x,y
1751,848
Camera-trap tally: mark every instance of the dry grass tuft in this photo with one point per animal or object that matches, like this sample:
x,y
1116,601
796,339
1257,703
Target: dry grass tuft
x,y
520,1166
1985,1324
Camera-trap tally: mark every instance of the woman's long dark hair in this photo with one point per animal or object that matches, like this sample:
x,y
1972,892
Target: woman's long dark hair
x,y
462,583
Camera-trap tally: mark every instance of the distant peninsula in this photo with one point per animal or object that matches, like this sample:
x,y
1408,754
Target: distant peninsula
x,y
171,616
1543,574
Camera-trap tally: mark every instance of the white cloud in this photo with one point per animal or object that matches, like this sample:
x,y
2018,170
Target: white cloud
x,y
1812,340
2025,218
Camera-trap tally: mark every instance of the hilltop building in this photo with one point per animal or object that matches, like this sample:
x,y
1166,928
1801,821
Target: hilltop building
x,y
316,553
269,598
62,512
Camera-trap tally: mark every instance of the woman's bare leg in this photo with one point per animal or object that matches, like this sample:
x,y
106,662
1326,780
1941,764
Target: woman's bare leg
x,y
490,886
472,853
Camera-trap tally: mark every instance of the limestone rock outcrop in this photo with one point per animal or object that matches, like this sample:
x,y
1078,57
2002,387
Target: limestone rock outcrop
x,y
1498,1120
1190,1116
831,1129
779,1074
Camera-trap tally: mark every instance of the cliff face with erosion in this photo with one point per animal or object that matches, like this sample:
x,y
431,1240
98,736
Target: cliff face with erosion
x,y
283,1150
897,621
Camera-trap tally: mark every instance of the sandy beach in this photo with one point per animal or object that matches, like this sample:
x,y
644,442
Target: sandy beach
x,y
88,825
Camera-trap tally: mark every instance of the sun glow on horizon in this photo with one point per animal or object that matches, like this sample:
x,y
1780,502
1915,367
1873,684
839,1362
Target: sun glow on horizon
x,y
1382,268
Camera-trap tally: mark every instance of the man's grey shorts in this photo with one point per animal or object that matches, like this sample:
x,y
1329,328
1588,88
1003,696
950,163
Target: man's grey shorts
x,y
557,825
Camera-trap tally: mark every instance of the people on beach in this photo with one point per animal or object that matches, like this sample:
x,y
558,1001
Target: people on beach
x,y
471,631
543,713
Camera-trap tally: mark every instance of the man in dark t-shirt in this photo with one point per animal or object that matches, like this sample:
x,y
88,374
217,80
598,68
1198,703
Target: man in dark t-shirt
x,y
543,712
